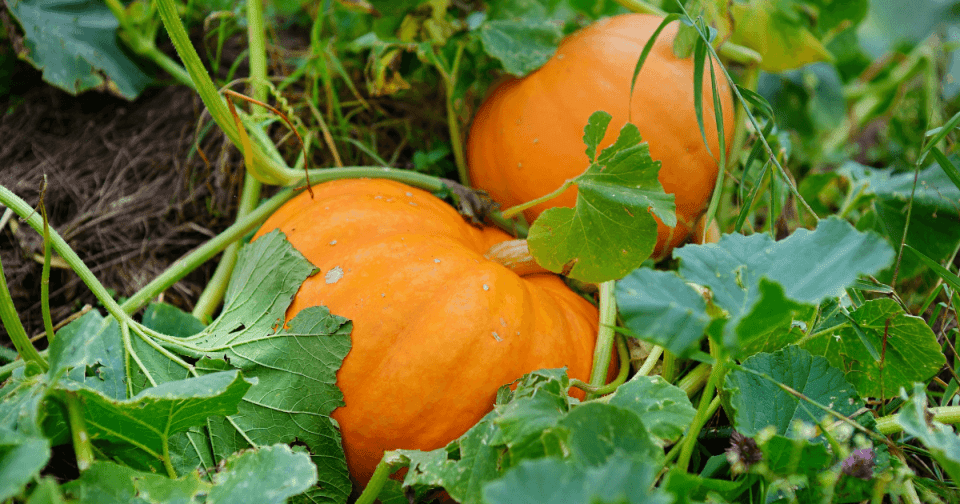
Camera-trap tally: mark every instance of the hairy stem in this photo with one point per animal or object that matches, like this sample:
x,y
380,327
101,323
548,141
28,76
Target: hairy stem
x,y
624,355
695,379
651,361
608,322
82,445
944,414
375,485
514,210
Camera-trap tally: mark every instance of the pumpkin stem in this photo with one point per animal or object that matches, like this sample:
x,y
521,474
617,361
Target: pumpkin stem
x,y
515,255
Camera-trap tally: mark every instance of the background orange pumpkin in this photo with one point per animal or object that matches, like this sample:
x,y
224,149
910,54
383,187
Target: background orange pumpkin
x,y
438,328
527,137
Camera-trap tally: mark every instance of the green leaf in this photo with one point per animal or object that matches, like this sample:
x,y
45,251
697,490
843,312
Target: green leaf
x,y
941,440
268,475
658,306
610,230
294,396
149,418
524,419
476,457
691,488
46,492
594,132
295,366
599,431
267,275
21,407
759,402
777,33
521,45
831,14
461,468
663,408
549,481
74,43
787,456
805,268
170,320
109,483
933,230
90,351
21,460
910,349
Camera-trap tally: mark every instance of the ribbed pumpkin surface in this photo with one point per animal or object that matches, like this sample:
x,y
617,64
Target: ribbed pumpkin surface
x,y
437,327
527,137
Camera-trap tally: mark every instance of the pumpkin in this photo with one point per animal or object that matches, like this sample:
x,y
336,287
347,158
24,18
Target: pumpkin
x,y
437,327
527,137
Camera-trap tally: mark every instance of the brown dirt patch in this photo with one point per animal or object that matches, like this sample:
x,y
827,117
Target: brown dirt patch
x,y
122,189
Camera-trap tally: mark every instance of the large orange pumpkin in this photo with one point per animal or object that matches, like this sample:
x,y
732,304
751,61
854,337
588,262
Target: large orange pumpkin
x,y
437,327
527,136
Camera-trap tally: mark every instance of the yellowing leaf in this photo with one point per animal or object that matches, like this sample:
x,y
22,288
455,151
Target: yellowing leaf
x,y
779,36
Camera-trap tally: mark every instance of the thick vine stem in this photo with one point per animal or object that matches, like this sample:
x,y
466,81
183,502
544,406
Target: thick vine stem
x,y
605,335
624,354
375,485
944,414
82,444
515,255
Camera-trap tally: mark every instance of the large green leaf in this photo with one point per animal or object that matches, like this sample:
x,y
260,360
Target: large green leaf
x,y
663,408
596,432
537,421
267,475
461,468
74,43
759,402
267,275
277,473
758,287
610,231
90,351
295,366
552,481
521,45
881,348
21,460
540,402
294,396
658,306
149,418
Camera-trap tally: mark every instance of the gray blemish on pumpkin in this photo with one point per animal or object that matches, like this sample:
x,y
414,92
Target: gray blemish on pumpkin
x,y
486,287
497,336
333,276
334,242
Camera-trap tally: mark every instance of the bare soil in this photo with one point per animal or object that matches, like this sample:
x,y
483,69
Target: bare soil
x,y
124,187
